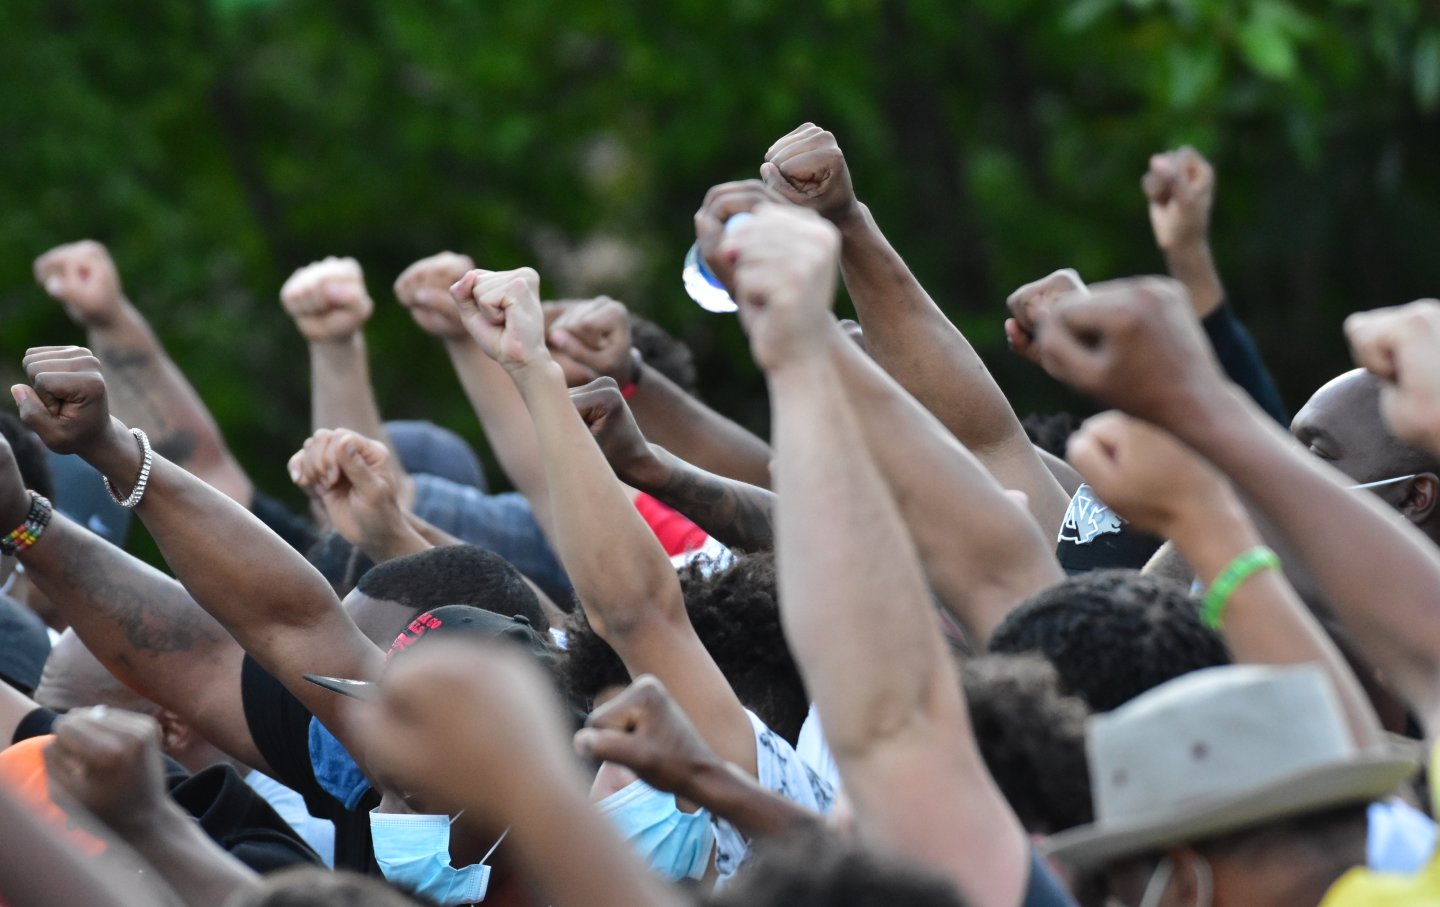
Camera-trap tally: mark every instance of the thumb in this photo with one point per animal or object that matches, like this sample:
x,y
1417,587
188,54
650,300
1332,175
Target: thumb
x,y
607,745
32,411
772,176
363,475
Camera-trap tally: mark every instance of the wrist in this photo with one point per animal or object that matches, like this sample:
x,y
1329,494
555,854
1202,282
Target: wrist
x,y
1211,530
337,345
538,371
118,315
648,470
703,777
854,222
151,822
116,455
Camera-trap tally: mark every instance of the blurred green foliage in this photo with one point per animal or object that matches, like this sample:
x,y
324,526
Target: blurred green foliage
x,y
217,145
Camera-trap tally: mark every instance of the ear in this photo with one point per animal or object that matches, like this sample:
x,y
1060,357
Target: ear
x,y
1421,498
176,735
1190,882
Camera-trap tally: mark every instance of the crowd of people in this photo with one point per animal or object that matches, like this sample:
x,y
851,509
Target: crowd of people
x,y
910,649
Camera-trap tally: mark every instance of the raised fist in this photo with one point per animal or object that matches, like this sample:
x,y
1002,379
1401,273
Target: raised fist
x,y
82,277
328,300
424,289
721,203
1144,474
645,730
610,421
1031,303
350,475
1180,187
595,336
1133,344
109,762
785,262
65,402
808,168
1401,346
501,310
412,740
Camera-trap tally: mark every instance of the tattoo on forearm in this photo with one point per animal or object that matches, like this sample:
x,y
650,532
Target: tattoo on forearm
x,y
137,384
154,619
733,512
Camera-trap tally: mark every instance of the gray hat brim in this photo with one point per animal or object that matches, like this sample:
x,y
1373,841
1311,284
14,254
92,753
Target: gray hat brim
x,y
1369,776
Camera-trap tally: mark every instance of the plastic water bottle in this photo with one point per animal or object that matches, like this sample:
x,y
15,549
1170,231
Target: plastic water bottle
x,y
701,283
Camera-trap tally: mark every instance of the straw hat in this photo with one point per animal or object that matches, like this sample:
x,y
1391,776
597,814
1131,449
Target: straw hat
x,y
1222,750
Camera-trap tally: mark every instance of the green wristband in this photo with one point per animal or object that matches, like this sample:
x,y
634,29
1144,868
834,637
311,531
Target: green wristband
x,y
1242,568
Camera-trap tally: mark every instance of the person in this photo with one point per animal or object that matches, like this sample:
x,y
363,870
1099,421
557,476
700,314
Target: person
x,y
855,604
1232,785
624,580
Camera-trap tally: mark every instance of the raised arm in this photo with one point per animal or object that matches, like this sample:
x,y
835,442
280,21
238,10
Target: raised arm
x,y
109,761
736,513
644,730
853,600
982,552
147,389
906,332
1164,488
257,587
622,577
501,720
1180,190
423,288
596,336
1134,344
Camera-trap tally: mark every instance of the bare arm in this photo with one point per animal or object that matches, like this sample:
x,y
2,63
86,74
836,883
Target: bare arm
x,y
622,577
270,600
734,512
148,390
696,433
982,552
853,599
905,330
1162,487
109,762
1141,351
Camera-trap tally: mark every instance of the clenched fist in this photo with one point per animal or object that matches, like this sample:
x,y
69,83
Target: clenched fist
x,y
1030,304
1180,187
645,730
82,277
424,290
595,336
501,310
1133,344
610,421
109,761
785,265
721,203
328,300
65,402
1401,346
351,476
808,168
1145,475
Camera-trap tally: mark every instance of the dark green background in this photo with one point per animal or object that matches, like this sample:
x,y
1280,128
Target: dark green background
x,y
215,146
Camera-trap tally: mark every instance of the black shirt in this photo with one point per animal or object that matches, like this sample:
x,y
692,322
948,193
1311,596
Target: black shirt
x,y
280,726
229,810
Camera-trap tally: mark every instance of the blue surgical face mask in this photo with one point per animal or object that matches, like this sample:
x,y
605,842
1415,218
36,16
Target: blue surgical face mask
x,y
414,854
675,844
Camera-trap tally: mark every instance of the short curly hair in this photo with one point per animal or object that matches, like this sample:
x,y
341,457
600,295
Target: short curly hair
x,y
1032,737
1113,634
454,575
736,614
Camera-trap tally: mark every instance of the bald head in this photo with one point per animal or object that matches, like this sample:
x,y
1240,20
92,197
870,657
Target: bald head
x,y
1342,424
73,679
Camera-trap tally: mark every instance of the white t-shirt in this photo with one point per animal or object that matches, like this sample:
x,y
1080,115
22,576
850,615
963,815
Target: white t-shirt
x,y
780,771
812,748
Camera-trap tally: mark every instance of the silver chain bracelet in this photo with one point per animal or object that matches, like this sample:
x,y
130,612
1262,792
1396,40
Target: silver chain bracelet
x,y
148,457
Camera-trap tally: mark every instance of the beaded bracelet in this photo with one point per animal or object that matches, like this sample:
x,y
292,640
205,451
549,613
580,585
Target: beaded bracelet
x,y
28,532
1242,568
147,458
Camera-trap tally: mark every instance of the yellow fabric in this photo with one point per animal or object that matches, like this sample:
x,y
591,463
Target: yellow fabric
x,y
1364,888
